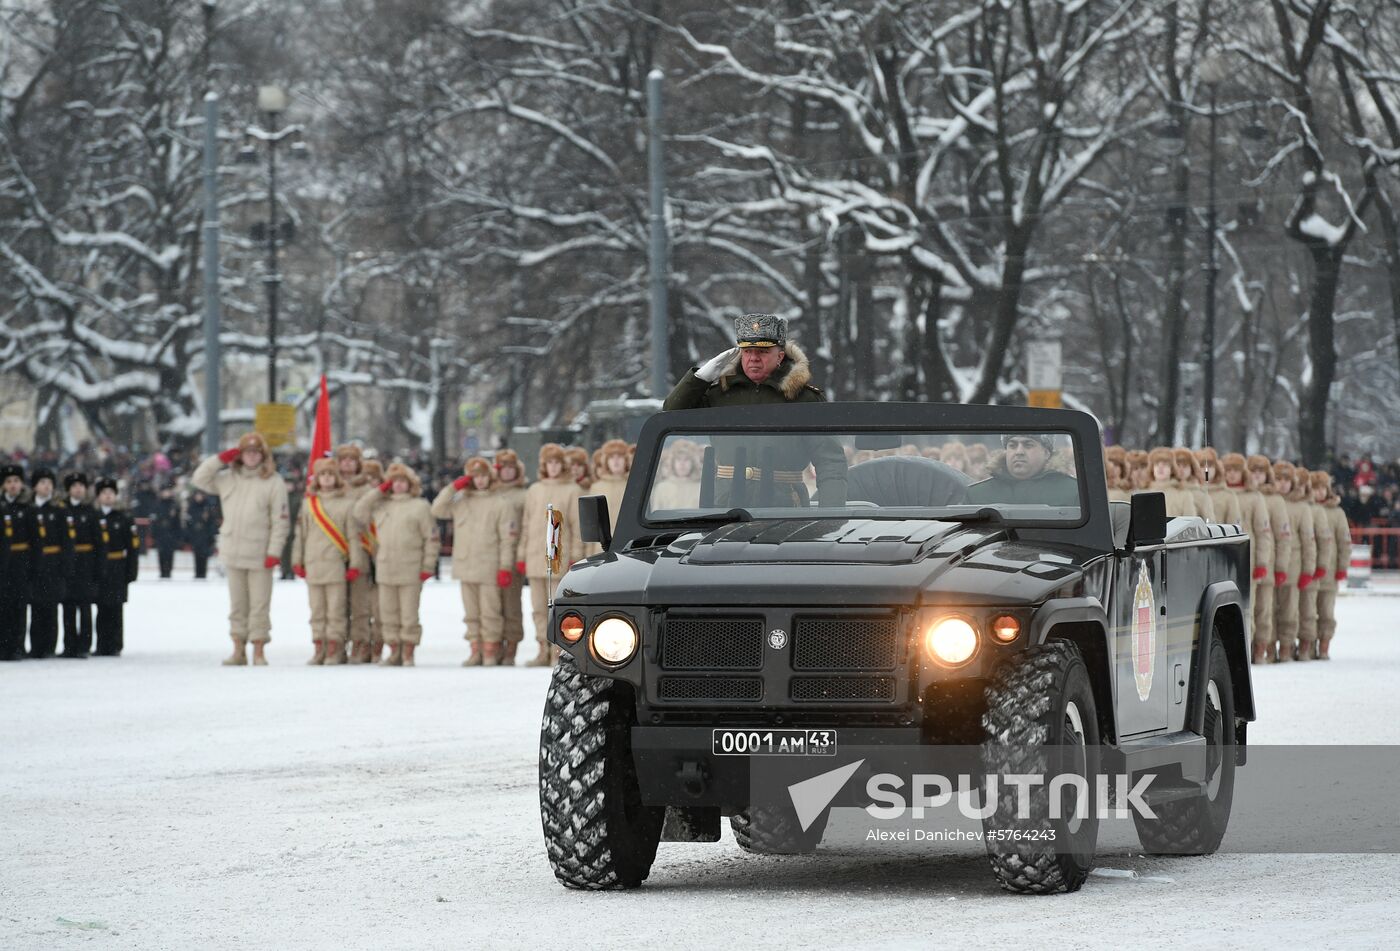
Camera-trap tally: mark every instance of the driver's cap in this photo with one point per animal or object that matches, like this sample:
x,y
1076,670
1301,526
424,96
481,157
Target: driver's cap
x,y
1045,439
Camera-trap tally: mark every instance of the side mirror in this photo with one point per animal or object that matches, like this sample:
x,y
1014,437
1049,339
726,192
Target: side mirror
x,y
594,525
1147,523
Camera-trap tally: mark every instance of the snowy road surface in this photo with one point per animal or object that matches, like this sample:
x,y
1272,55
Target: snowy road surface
x,y
161,801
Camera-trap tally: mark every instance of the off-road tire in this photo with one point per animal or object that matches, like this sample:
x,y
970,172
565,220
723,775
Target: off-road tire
x,y
1028,710
597,832
1195,826
765,830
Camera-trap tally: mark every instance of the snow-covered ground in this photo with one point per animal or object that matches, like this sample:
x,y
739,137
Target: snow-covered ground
x,y
161,801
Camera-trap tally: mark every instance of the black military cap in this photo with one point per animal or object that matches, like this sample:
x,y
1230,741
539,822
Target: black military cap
x,y
73,478
104,484
42,474
760,330
11,470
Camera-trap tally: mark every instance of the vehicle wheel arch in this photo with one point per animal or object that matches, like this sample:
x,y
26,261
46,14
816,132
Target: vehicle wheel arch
x,y
1223,615
1083,622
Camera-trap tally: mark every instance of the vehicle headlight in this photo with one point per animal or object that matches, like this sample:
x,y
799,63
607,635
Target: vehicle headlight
x,y
614,640
951,640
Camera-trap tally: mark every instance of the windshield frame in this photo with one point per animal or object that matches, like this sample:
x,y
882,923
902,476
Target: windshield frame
x,y
848,418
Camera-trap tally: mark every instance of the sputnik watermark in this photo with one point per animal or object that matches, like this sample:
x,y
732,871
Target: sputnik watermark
x,y
892,796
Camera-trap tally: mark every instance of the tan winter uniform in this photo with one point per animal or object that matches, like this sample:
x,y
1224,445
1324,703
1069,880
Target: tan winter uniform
x,y
1327,595
610,486
1179,501
1324,586
564,494
1224,503
1254,519
325,564
512,498
1301,553
679,485
255,526
483,545
360,609
1305,525
1194,483
406,546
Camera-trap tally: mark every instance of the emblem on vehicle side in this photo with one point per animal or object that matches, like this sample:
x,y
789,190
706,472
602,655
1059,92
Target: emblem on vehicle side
x,y
777,638
1144,634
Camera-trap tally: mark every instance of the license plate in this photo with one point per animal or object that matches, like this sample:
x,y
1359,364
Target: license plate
x,y
775,742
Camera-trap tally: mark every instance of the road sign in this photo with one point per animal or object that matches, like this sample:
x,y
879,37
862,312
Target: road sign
x,y
276,421
1043,373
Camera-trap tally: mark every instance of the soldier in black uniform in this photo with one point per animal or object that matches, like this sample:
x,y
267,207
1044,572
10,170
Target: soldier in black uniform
x,y
16,540
119,550
82,578
50,562
201,527
168,527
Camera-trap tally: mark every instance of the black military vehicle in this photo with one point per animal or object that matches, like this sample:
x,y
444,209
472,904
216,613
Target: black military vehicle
x,y
827,581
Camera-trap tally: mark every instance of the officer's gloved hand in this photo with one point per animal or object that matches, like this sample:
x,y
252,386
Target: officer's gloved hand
x,y
711,369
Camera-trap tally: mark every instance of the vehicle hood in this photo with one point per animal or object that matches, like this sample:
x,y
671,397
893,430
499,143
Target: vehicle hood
x,y
830,561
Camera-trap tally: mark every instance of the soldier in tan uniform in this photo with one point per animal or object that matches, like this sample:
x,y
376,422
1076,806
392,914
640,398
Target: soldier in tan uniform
x,y
367,634
350,463
679,485
1115,467
321,553
1326,565
612,462
1188,476
1335,524
1299,568
1225,503
510,488
1261,476
1162,466
1254,519
483,555
580,467
1139,471
405,556
1301,507
254,529
557,486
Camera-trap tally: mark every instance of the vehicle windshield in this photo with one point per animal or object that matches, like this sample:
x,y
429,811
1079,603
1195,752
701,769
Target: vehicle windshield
x,y
997,476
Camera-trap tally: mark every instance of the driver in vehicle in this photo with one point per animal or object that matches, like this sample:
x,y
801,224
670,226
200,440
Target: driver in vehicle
x,y
1023,475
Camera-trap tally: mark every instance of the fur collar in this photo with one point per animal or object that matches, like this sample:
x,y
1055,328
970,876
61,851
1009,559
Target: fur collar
x,y
788,379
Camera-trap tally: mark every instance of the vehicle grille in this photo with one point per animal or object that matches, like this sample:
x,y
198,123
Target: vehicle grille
x,y
710,688
712,643
845,643
842,689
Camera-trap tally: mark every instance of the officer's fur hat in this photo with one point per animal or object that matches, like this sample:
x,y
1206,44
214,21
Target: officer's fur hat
x,y
42,473
373,470
254,442
73,478
11,470
506,458
321,466
1232,460
1161,454
104,483
613,447
1260,464
397,470
1321,479
760,330
1283,470
551,450
476,466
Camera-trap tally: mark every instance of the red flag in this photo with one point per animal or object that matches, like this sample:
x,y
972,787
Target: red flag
x,y
321,438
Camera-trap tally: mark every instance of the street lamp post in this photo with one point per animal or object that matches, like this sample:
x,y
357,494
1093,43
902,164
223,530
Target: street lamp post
x,y
1213,72
272,102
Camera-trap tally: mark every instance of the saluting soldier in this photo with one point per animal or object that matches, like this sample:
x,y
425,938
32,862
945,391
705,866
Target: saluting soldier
x,y
81,591
119,550
15,553
555,486
510,487
50,563
405,556
764,367
483,554
611,464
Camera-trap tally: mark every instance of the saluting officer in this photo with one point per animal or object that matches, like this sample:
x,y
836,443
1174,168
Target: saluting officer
x,y
80,594
119,548
15,544
50,562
